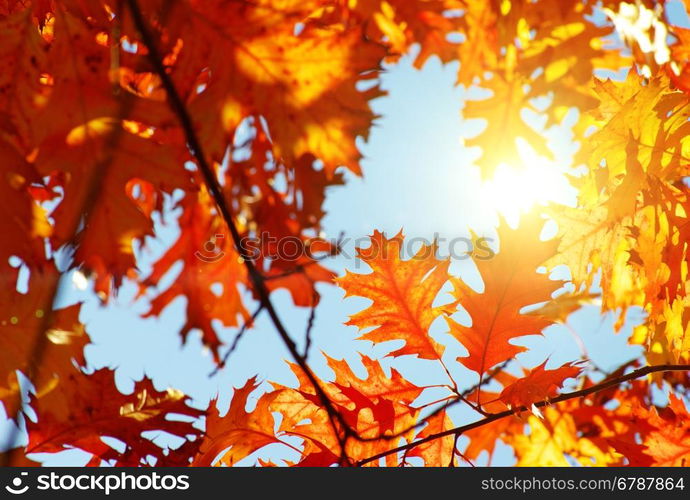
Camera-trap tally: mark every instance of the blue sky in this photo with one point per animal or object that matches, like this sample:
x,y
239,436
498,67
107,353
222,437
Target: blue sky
x,y
418,177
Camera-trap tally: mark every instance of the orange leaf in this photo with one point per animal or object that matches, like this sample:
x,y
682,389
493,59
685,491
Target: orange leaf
x,y
21,320
238,433
377,405
668,442
303,86
88,407
23,231
402,293
510,283
538,385
439,452
208,260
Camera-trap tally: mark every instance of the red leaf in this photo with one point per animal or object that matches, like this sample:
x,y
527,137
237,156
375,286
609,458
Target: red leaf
x,y
538,385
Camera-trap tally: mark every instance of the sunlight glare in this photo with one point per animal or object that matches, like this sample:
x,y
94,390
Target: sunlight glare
x,y
516,188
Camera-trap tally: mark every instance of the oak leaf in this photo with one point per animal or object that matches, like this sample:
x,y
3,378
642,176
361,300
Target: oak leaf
x,y
660,437
510,283
28,223
402,292
375,406
669,443
554,441
439,452
89,407
210,261
23,323
303,84
237,434
537,385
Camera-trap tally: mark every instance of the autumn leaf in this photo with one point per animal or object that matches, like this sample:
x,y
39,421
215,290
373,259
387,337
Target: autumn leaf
x,y
386,396
510,283
209,260
439,452
279,229
635,212
375,406
105,244
88,407
22,56
29,222
402,292
481,51
237,434
399,23
553,439
539,384
303,86
589,242
564,52
522,51
174,148
669,446
559,308
664,436
22,324
502,112
87,152
650,117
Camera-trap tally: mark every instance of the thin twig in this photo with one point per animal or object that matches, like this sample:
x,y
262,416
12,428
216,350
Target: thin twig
x,y
310,324
498,416
458,398
457,452
475,407
488,379
462,455
247,324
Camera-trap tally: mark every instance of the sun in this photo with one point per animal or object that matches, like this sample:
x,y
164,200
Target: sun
x,y
533,180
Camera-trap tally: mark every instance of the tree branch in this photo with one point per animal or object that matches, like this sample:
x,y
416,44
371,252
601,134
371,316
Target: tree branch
x,y
460,397
498,416
214,187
